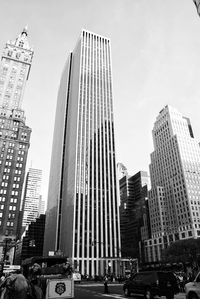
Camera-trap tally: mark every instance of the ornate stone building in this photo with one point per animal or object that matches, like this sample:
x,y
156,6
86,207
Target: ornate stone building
x,y
14,133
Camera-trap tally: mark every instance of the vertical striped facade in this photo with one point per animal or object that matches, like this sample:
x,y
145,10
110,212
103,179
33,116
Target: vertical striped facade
x,y
88,183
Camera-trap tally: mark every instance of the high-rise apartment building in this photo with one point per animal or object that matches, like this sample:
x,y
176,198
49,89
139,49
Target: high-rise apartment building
x,y
14,134
134,214
32,196
82,209
174,199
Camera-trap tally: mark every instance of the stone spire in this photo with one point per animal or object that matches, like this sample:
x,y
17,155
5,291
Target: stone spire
x,y
22,40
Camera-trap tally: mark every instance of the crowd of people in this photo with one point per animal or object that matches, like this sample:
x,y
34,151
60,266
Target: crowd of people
x,y
14,285
17,285
32,285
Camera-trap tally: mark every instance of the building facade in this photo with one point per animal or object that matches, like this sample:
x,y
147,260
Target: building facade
x,y
134,214
41,206
32,242
174,199
121,171
14,133
32,196
82,209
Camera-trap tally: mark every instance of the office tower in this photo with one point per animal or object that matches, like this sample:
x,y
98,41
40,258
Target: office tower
x,y
32,196
134,214
32,241
14,133
82,209
174,199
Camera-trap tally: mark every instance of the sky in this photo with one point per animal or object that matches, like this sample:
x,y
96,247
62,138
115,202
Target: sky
x,y
155,62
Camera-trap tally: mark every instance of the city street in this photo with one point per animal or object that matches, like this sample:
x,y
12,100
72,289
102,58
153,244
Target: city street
x,y
87,290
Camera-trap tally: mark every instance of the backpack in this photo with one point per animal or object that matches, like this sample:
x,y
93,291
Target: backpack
x,y
10,284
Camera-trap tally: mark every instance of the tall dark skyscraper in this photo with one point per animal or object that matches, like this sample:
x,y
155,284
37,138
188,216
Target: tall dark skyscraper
x,y
134,214
82,212
14,134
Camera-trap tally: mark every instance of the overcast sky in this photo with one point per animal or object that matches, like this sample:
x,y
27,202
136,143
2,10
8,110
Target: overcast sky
x,y
155,57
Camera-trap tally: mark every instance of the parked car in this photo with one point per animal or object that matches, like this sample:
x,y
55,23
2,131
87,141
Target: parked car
x,y
152,283
192,288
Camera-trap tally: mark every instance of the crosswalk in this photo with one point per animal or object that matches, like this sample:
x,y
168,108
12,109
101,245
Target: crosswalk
x,y
116,296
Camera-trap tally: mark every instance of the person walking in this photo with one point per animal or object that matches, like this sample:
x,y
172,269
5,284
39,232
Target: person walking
x,y
15,286
106,284
36,282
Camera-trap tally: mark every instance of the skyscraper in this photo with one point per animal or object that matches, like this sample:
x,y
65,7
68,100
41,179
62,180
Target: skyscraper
x,y
82,210
14,134
32,196
32,242
174,199
134,214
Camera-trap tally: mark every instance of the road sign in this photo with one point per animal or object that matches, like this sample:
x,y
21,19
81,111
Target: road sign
x,y
10,268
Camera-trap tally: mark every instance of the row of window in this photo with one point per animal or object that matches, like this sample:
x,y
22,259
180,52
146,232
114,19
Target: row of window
x,y
18,165
10,157
12,200
13,192
5,184
14,135
7,170
11,208
6,177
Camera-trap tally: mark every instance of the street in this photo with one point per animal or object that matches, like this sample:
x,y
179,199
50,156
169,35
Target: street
x,y
87,290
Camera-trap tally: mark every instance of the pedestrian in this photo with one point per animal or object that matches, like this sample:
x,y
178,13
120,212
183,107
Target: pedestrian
x,y
106,284
15,286
67,269
119,278
190,277
35,282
